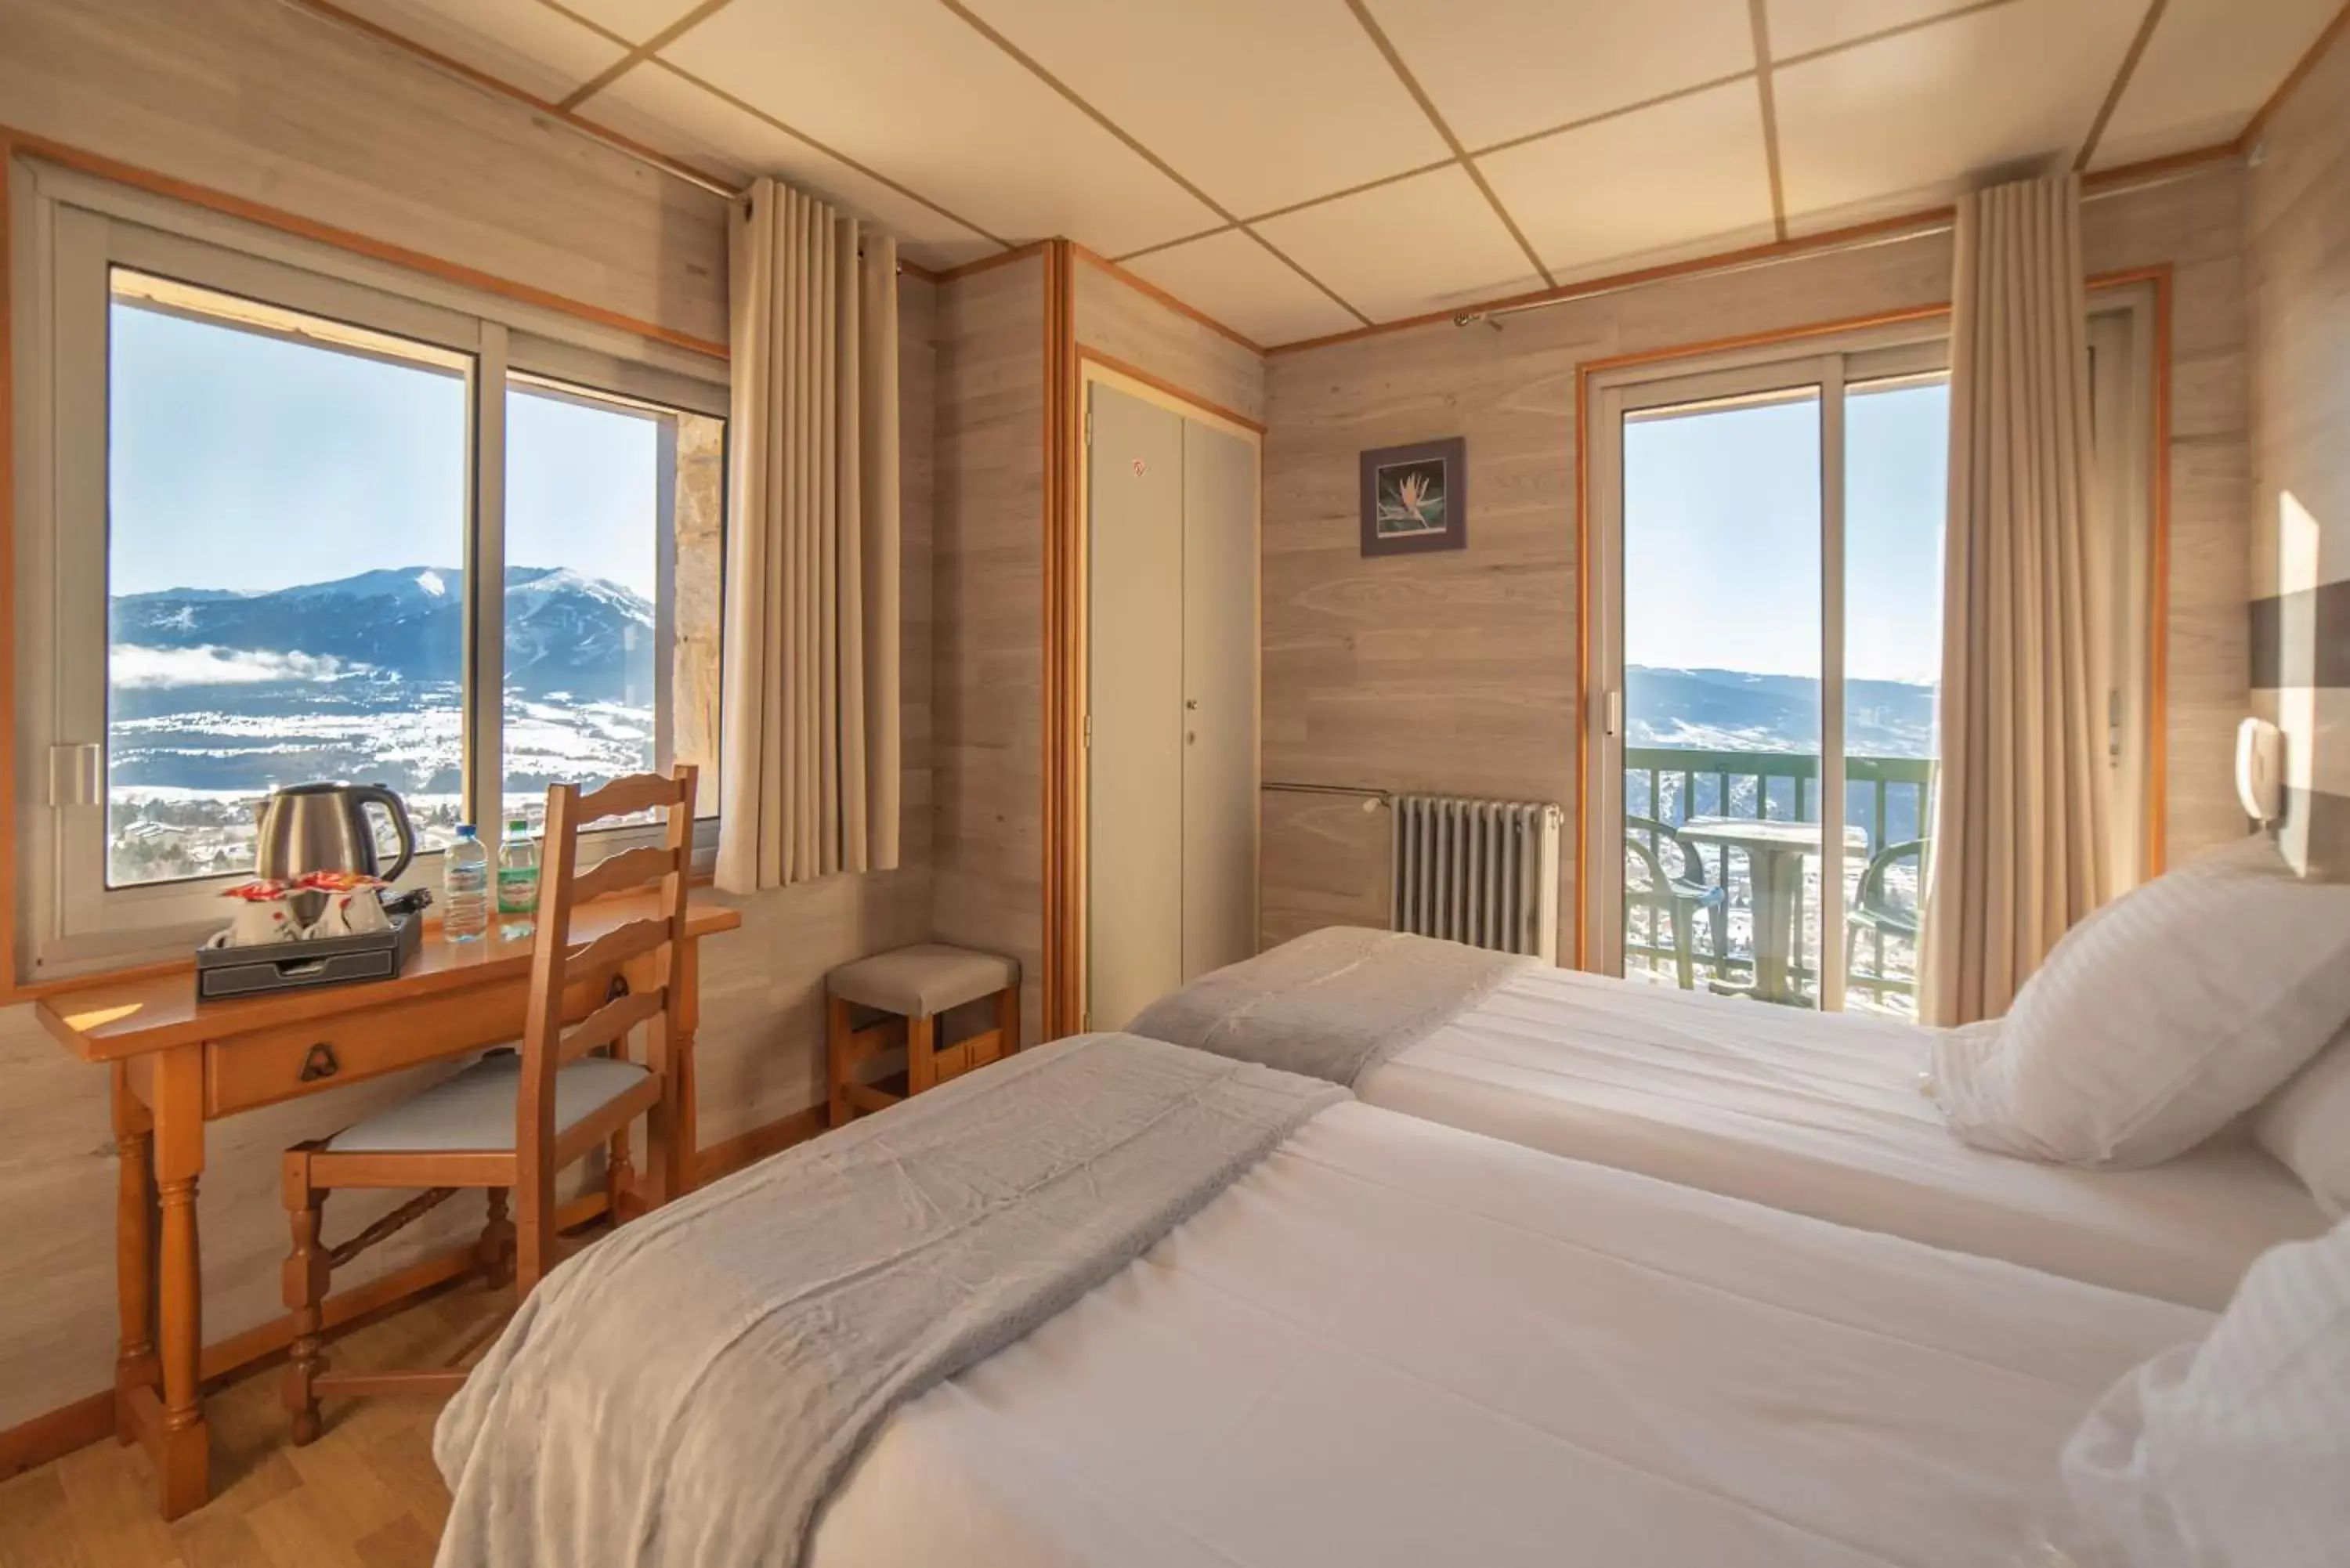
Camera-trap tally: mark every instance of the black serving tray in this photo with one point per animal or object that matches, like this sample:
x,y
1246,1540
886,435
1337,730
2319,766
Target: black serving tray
x,y
300,965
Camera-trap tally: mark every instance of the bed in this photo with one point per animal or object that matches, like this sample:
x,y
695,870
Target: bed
x,y
1819,1115
1383,1341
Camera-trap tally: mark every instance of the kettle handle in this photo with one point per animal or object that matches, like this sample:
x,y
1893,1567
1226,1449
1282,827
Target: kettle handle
x,y
396,809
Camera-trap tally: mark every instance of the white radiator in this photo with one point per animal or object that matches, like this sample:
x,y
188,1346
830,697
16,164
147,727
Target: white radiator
x,y
1483,872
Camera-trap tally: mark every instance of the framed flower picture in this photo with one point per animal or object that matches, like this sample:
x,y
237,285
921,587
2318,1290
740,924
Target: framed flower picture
x,y
1416,498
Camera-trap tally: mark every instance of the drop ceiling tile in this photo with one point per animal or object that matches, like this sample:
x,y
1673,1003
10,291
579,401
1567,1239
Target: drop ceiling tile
x,y
1238,282
909,89
662,108
1259,105
1799,26
2209,67
1419,245
635,20
522,43
1502,68
1691,172
1921,113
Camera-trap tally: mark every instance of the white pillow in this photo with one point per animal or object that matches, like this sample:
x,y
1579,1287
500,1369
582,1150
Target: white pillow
x,y
2159,1019
2234,1452
2306,1125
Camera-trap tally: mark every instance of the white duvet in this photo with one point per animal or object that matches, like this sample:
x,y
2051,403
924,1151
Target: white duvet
x,y
1394,1343
1824,1116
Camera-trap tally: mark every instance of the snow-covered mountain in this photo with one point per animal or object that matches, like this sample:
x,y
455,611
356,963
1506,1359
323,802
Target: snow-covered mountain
x,y
566,634
1734,711
361,678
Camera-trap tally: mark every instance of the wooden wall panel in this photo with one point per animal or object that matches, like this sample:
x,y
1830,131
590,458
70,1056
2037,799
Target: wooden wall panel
x,y
259,99
988,854
1458,672
1116,318
264,101
2298,227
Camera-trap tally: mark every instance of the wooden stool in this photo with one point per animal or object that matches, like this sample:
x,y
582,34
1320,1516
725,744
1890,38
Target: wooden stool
x,y
912,987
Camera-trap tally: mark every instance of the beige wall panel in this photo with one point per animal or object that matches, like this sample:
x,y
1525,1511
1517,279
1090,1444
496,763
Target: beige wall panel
x,y
1457,671
988,620
2298,302
267,102
1128,324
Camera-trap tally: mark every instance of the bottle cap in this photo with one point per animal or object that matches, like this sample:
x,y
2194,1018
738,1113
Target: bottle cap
x,y
464,830
519,824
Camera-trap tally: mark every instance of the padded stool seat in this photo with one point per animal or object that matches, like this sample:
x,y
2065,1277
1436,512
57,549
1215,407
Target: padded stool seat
x,y
911,987
922,981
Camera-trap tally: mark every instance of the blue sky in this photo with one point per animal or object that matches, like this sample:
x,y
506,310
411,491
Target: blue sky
x,y
241,460
1722,537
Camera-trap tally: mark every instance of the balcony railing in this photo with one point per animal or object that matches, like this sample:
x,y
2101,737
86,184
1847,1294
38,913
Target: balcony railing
x,y
1890,798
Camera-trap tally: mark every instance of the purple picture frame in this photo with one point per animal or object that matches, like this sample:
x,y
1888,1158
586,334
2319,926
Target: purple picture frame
x,y
1416,498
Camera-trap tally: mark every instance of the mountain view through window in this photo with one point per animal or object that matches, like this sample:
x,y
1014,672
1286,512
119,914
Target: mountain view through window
x,y
287,593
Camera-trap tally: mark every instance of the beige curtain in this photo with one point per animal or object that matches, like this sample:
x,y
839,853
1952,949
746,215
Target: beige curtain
x,y
808,755
2021,849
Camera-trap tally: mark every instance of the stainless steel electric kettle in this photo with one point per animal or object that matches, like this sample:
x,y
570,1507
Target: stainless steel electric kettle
x,y
325,827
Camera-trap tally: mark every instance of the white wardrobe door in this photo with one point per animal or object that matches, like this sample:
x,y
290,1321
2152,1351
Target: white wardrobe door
x,y
1220,693
1134,862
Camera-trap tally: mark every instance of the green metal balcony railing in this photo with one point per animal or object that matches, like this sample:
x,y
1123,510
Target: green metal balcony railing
x,y
1890,798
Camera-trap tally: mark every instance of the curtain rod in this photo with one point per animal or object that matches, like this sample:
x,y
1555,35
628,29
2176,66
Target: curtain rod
x,y
1926,226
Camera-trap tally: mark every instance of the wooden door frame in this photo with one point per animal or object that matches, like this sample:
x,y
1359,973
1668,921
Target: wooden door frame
x,y
1070,368
2157,277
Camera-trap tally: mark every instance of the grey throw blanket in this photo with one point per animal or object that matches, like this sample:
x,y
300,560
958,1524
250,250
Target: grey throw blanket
x,y
1331,1004
690,1390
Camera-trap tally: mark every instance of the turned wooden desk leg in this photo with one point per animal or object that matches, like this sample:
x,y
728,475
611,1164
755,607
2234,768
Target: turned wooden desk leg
x,y
183,1444
685,1143
134,1252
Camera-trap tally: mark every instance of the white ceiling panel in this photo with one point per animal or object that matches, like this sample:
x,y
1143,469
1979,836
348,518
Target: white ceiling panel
x,y
1800,26
635,20
2209,67
1259,105
1658,179
907,87
663,109
1920,113
520,42
1419,245
1238,282
1502,68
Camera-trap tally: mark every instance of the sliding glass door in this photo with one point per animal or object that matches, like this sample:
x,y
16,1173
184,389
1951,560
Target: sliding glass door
x,y
1766,641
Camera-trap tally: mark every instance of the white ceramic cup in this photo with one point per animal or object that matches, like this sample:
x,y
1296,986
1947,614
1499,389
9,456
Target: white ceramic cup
x,y
356,913
259,920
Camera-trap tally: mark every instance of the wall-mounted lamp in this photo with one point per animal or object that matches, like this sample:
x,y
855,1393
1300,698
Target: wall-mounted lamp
x,y
2260,769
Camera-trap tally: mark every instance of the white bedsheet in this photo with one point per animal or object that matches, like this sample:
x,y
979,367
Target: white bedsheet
x,y
1823,1114
1396,1343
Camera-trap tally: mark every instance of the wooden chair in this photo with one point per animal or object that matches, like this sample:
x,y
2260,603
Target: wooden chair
x,y
513,1119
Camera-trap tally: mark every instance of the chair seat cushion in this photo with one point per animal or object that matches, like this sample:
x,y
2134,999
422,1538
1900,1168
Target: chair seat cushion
x,y
475,1111
922,980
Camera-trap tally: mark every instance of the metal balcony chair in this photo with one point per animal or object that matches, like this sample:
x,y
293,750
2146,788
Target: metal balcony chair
x,y
1873,912
1678,896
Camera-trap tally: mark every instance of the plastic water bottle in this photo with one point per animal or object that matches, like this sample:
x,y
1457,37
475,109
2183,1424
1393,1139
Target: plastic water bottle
x,y
465,887
517,882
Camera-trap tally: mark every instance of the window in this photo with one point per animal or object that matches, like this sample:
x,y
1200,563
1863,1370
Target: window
x,y
1766,617
298,516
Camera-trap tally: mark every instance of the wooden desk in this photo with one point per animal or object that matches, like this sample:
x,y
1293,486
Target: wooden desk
x,y
178,1063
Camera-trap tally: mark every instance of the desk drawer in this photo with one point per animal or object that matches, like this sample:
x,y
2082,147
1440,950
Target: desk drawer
x,y
272,1064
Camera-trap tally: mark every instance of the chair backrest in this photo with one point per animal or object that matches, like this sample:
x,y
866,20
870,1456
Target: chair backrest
x,y
638,946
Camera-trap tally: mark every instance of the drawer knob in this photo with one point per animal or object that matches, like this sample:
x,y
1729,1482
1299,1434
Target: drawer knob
x,y
319,1063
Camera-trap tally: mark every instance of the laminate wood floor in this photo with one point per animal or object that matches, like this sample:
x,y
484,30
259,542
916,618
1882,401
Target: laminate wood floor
x,y
366,1495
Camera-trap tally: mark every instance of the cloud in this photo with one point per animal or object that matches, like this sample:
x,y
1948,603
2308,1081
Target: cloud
x,y
129,666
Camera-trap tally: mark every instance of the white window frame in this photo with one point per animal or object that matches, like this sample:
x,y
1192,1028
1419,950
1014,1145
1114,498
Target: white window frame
x,y
2123,397
70,230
